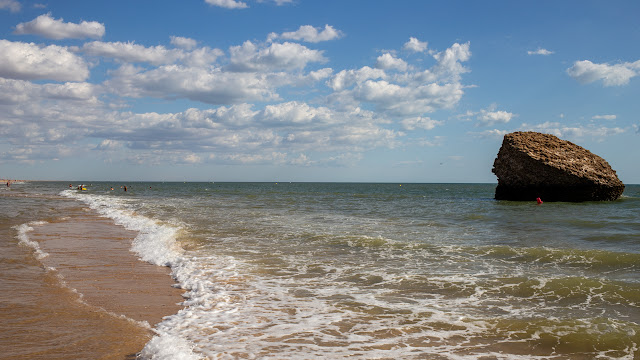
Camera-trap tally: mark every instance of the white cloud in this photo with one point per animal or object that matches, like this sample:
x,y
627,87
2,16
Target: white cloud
x,y
45,25
154,55
297,113
287,133
604,117
277,2
201,57
211,86
585,72
106,145
285,56
28,61
227,4
563,131
12,5
131,52
347,78
388,61
449,61
491,134
183,42
410,94
415,45
419,122
309,33
320,74
399,100
284,132
490,118
540,51
70,91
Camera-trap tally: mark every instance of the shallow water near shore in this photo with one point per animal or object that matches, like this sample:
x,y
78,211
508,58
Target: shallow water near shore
x,y
362,271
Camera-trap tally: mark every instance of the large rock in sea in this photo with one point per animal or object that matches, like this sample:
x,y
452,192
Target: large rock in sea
x,y
531,165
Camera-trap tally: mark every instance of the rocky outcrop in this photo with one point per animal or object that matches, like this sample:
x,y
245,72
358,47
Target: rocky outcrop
x,y
531,165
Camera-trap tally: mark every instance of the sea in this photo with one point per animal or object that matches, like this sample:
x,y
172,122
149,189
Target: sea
x,y
286,270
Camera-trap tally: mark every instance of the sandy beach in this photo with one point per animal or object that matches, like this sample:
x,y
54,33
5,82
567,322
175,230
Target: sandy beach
x,y
100,302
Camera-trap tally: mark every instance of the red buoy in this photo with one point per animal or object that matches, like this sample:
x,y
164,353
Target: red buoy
x,y
539,201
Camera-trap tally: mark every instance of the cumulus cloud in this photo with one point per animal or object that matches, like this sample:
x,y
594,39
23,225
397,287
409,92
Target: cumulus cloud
x,y
490,117
491,134
415,45
450,61
347,78
586,72
227,4
296,113
559,130
211,86
397,100
604,117
419,122
183,42
362,111
388,61
107,145
279,2
132,52
540,51
284,133
155,55
45,25
28,61
410,94
564,131
285,56
12,5
309,33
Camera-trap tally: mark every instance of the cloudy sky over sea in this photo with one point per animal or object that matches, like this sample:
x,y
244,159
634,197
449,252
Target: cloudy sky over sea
x,y
301,90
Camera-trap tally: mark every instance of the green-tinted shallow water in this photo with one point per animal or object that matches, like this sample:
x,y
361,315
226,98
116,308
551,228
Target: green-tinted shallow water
x,y
411,271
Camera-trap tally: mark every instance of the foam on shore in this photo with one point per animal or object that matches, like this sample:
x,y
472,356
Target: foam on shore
x,y
155,243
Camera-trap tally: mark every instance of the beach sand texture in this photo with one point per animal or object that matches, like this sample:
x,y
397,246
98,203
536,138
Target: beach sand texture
x,y
97,301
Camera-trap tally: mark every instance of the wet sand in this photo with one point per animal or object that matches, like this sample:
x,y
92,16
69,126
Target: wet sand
x,y
97,302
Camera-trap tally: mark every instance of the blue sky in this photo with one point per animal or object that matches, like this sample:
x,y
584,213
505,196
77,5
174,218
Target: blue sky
x,y
277,90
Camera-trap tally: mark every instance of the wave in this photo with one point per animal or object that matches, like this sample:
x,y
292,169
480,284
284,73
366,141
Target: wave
x,y
157,244
590,259
23,238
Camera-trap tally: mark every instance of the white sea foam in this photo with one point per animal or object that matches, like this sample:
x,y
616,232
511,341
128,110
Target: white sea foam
x,y
23,236
169,347
377,297
156,244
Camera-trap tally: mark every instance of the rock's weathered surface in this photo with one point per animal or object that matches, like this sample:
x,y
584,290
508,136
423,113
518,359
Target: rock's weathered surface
x,y
531,165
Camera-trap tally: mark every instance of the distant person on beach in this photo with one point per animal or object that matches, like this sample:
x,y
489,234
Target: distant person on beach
x,y
125,188
8,183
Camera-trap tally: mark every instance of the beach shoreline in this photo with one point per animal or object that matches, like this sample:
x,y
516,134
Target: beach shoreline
x,y
92,280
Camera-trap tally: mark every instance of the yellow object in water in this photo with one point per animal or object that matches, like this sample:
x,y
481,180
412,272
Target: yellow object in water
x,y
84,188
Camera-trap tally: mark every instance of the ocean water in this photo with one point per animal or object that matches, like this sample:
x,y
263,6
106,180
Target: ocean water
x,y
373,271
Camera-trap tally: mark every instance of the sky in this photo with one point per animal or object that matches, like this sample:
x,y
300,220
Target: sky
x,y
302,90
